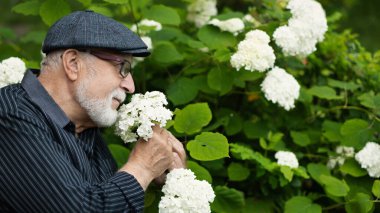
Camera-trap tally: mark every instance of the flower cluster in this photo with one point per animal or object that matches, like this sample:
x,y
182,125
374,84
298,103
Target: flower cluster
x,y
143,28
369,159
184,194
286,158
281,87
254,52
11,71
200,11
305,29
250,19
343,152
146,25
232,25
136,118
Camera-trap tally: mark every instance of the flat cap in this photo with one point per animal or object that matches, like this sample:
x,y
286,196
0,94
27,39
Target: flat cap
x,y
87,29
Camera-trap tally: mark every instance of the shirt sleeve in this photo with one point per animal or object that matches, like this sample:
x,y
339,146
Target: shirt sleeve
x,y
36,176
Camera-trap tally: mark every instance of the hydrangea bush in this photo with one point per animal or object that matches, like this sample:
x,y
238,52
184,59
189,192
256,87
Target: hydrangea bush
x,y
287,82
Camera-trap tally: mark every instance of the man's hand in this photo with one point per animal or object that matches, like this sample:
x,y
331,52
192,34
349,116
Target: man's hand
x,y
150,159
179,158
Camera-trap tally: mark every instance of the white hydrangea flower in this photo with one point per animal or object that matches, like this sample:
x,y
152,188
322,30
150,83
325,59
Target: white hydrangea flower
x,y
254,52
148,41
200,11
343,152
286,158
136,118
11,71
250,19
281,87
232,25
305,28
369,159
183,193
146,25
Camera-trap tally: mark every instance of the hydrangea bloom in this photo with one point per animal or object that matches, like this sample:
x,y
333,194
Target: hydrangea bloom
x,y
200,11
281,87
146,25
286,158
343,152
11,71
136,118
148,41
254,52
233,25
250,19
305,28
369,159
184,194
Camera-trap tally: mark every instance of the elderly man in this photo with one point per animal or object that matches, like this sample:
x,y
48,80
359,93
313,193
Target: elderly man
x,y
52,157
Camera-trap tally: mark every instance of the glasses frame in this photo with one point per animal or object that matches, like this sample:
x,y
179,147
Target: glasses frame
x,y
125,65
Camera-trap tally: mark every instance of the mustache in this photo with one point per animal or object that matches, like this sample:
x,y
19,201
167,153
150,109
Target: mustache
x,y
119,95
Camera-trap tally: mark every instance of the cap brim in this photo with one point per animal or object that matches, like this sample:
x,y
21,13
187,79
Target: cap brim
x,y
137,52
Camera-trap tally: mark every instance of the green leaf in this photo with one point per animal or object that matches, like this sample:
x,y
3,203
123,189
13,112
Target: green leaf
x,y
208,146
255,130
201,82
120,154
360,203
222,55
227,200
370,100
316,170
85,3
208,35
301,204
356,133
234,124
287,172
200,172
52,10
334,186
7,33
331,130
166,53
352,168
237,172
163,14
245,153
301,171
258,206
36,37
182,91
27,8
323,92
117,1
300,138
376,188
342,84
220,79
100,9
192,118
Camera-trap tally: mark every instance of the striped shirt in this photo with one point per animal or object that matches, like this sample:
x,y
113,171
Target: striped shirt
x,y
45,167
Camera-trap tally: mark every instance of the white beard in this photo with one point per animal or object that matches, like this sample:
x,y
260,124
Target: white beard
x,y
99,110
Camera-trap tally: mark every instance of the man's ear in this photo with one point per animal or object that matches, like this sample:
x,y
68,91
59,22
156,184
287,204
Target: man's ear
x,y
71,63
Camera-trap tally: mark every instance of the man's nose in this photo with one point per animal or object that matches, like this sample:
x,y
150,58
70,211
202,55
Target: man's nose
x,y
128,84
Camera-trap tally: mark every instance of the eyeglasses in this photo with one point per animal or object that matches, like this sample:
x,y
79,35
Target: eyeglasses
x,y
125,65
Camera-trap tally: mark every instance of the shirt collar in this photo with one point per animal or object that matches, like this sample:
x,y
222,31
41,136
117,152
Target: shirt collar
x,y
41,97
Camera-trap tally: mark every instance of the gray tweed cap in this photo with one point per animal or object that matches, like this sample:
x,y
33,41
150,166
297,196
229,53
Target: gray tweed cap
x,y
87,29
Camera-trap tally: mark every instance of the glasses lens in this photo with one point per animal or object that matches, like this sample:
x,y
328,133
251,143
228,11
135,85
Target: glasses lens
x,y
125,69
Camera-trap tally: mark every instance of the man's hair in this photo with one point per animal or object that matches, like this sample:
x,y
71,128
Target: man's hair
x,y
51,60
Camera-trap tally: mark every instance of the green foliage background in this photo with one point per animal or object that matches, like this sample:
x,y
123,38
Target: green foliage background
x,y
230,130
